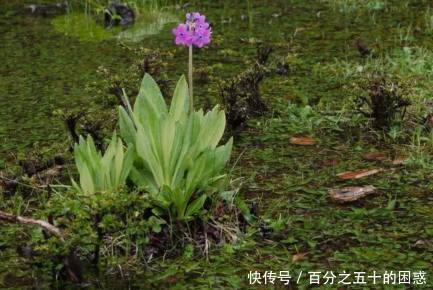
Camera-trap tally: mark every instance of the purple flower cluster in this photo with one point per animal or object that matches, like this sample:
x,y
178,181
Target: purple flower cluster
x,y
195,31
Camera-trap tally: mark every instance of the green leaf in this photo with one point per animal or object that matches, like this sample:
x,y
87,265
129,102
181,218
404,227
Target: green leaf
x,y
118,159
151,97
180,101
149,156
249,217
144,179
167,140
212,129
126,125
127,163
86,181
195,206
222,154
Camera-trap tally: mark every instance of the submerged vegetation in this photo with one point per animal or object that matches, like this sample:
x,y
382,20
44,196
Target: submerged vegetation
x,y
151,191
88,20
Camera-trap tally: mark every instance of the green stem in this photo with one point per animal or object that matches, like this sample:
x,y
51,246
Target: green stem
x,y
191,103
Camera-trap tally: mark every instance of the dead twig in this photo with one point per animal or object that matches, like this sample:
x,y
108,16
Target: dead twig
x,y
7,217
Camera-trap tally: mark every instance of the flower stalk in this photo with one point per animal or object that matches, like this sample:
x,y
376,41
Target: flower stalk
x,y
190,84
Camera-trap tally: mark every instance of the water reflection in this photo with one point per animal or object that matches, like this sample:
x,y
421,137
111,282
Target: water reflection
x,y
87,27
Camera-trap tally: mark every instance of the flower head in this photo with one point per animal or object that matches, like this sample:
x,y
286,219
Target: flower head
x,y
195,31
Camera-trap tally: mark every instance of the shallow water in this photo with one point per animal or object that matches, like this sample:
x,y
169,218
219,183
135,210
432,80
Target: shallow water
x,y
45,70
42,71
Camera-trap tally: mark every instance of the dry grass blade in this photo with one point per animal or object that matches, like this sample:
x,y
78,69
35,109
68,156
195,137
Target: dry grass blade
x,y
303,141
298,257
375,156
358,174
399,160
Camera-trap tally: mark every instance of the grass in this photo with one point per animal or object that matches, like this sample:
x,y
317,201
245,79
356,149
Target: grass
x,y
428,18
350,6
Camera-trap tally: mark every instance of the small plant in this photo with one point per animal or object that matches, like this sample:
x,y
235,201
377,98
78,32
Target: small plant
x,y
177,157
101,173
385,102
404,35
241,95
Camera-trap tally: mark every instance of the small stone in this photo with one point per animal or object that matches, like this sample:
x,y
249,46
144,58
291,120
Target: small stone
x,y
118,14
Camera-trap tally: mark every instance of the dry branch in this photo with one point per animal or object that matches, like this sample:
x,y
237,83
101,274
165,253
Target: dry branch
x,y
29,221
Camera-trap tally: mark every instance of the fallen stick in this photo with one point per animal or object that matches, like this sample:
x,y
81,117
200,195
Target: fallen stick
x,y
29,221
70,261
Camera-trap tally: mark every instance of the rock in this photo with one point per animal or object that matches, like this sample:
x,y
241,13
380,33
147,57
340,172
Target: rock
x,y
351,193
118,14
46,10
